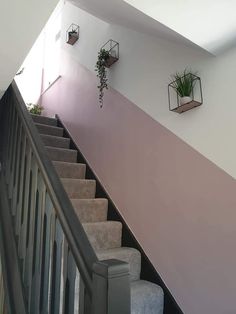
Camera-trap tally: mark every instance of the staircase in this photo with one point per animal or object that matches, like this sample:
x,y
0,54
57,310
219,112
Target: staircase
x,y
105,236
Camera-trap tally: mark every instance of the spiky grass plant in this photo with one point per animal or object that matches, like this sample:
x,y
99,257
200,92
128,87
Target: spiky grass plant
x,y
184,82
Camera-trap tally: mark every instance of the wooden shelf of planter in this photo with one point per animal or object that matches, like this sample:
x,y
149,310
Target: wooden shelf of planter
x,y
110,61
190,105
72,39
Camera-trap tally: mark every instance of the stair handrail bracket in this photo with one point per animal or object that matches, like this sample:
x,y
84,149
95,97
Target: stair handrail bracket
x,y
58,268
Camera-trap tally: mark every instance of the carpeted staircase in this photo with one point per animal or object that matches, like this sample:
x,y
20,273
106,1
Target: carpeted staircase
x,y
105,236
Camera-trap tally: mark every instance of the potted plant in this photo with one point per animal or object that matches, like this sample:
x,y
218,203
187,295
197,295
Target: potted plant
x,y
72,33
103,56
35,109
183,84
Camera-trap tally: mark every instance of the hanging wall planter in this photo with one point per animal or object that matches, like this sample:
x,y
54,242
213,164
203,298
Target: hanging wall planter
x,y
184,92
72,34
107,55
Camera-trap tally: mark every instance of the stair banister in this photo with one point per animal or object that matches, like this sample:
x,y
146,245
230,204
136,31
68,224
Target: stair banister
x,y
49,238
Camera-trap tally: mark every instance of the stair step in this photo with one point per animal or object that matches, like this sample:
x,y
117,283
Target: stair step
x,y
49,130
70,170
104,235
77,188
55,141
125,254
62,154
146,298
91,210
44,120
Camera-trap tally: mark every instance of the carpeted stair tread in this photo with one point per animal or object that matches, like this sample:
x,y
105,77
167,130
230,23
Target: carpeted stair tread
x,y
44,120
125,254
55,141
146,298
49,130
91,210
78,188
62,154
104,235
70,170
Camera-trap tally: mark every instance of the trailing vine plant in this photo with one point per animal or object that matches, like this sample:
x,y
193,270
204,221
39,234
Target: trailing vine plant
x,y
103,56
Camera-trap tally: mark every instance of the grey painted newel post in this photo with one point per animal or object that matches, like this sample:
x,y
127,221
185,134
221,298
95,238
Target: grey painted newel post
x,y
111,287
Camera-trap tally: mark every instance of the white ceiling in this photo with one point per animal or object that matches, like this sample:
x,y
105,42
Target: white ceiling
x,y
121,13
207,24
211,24
20,24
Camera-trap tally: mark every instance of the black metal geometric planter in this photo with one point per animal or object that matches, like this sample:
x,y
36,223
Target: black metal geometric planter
x,y
72,34
181,104
113,48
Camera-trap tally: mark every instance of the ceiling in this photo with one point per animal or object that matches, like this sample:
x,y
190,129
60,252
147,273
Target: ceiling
x,y
121,13
211,24
20,24
207,24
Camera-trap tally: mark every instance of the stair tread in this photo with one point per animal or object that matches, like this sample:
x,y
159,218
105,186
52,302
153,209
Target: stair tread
x,y
70,169
60,149
44,120
49,126
104,235
79,188
146,297
55,141
91,210
125,254
49,130
62,154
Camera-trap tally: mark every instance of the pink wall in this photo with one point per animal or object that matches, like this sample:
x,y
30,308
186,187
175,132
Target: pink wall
x,y
180,206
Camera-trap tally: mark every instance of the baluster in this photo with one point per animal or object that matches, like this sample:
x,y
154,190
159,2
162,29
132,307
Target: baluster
x,y
47,245
38,254
85,301
26,204
56,270
10,144
31,224
71,291
6,137
16,171
13,157
21,184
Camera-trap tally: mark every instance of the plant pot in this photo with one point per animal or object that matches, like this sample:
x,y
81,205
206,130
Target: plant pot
x,y
184,100
72,38
110,61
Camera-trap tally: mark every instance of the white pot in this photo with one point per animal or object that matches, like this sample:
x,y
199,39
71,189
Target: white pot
x,y
184,100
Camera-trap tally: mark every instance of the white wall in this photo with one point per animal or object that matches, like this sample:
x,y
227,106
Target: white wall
x,y
20,24
41,65
142,75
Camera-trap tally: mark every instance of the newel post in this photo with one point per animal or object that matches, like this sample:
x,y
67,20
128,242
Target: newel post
x,y
111,287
